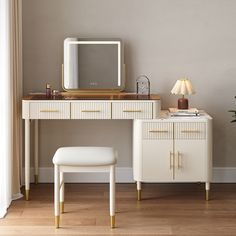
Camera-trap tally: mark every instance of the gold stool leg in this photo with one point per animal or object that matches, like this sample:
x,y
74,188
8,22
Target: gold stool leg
x,y
62,207
36,179
26,195
113,222
57,221
139,195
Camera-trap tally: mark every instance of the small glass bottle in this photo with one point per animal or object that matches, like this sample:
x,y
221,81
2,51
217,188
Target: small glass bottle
x,y
48,90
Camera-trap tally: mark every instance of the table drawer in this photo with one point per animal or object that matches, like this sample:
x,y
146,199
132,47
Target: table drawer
x,y
49,110
91,110
132,110
190,130
157,130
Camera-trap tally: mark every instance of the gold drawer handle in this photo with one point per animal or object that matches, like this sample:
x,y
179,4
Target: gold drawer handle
x,y
190,131
132,110
171,160
90,111
158,131
179,160
49,110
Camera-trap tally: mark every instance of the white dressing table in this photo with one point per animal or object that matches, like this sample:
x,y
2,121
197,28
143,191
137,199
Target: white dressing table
x,y
165,149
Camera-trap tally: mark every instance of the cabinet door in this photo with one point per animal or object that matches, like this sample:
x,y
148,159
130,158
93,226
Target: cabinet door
x,y
190,151
157,152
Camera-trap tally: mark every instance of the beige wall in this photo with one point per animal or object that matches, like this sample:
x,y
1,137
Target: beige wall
x,y
164,39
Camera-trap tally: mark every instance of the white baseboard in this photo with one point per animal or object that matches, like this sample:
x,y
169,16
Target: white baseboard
x,y
123,175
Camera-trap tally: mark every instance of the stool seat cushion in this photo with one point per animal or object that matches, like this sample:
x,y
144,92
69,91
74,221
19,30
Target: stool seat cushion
x,y
84,156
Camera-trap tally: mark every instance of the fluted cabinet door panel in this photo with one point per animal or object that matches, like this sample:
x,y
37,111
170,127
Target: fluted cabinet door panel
x,y
132,110
49,110
91,110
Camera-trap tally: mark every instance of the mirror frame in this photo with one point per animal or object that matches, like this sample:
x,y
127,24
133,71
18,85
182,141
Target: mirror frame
x,y
121,65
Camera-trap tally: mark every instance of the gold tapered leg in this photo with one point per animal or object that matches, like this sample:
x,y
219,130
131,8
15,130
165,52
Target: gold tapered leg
x,y
57,221
207,195
26,195
139,195
36,178
113,221
62,207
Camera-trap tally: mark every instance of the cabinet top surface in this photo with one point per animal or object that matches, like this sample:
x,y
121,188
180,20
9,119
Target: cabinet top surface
x,y
117,96
165,116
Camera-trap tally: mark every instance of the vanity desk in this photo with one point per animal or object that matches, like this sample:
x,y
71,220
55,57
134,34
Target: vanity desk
x,y
84,106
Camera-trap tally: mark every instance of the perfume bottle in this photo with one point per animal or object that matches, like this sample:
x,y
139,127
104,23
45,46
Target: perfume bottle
x,y
48,90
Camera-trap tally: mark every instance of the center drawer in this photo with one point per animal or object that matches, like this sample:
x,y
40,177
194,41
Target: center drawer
x,y
90,110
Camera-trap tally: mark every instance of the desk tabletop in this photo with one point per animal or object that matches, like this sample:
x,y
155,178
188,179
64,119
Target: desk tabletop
x,y
115,96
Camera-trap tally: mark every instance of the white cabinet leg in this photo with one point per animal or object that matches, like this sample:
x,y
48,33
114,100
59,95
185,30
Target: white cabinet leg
x,y
139,190
207,186
36,151
112,195
56,195
27,158
62,192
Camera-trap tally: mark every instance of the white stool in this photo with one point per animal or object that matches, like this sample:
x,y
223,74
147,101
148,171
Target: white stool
x,y
82,159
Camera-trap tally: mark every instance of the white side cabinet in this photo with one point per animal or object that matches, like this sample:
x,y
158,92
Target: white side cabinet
x,y
173,149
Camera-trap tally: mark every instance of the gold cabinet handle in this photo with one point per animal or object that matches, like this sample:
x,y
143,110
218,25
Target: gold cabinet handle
x,y
178,160
171,160
132,110
49,110
158,131
90,111
190,131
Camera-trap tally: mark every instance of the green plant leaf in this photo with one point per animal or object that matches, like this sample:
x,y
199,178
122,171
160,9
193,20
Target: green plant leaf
x,y
232,111
233,121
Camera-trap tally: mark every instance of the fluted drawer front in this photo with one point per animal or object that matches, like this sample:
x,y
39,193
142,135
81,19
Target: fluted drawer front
x,y
190,130
157,130
91,110
49,110
132,110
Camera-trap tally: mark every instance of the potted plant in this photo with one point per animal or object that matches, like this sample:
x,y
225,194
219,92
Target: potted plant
x,y
234,114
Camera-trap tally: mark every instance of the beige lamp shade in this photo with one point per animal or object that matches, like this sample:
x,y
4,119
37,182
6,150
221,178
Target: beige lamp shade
x,y
182,87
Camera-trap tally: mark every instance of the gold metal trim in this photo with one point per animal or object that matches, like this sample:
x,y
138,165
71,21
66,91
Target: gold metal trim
x,y
90,110
57,221
158,131
36,178
27,195
207,195
171,160
49,111
178,160
132,110
113,222
62,207
190,131
139,195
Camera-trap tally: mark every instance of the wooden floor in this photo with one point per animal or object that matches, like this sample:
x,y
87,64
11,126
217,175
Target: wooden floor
x,y
166,209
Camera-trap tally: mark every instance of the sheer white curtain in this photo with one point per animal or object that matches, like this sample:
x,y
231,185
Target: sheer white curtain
x,y
11,91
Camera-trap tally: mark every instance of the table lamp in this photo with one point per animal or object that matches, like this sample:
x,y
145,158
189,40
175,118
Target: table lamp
x,y
182,87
